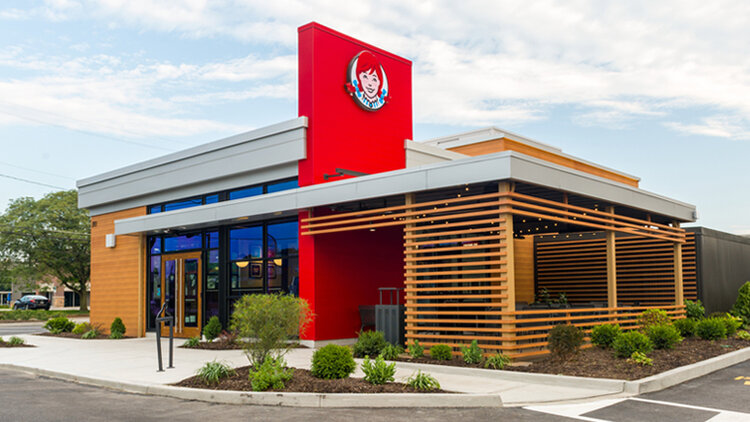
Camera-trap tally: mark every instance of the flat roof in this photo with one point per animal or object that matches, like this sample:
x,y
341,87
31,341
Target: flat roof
x,y
506,165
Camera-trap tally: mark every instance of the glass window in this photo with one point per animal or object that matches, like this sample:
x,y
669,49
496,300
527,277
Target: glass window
x,y
212,270
245,243
154,209
183,243
154,243
212,240
276,187
212,199
246,275
282,239
188,203
246,192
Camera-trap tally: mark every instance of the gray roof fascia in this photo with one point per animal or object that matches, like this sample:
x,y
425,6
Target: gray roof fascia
x,y
230,160
499,166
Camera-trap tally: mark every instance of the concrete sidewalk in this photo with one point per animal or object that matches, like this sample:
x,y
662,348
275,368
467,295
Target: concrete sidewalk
x,y
131,365
135,361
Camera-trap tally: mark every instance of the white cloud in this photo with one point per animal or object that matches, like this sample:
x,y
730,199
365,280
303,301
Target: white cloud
x,y
730,127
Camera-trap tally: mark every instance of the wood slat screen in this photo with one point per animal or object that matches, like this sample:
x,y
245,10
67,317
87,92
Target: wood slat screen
x,y
645,269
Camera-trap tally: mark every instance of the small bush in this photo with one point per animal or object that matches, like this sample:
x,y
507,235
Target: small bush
x,y
743,335
272,374
212,372
272,322
640,359
90,334
422,381
604,335
564,341
695,310
15,341
192,342
441,352
732,324
391,352
81,329
711,329
741,307
117,329
472,354
663,336
59,325
212,329
369,343
632,341
378,372
497,361
416,350
651,317
686,326
332,362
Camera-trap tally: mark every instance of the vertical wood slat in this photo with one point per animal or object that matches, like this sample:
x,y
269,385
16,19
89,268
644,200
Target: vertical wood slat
x,y
611,266
679,290
410,302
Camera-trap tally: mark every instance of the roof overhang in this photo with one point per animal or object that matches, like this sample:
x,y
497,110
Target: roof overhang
x,y
507,165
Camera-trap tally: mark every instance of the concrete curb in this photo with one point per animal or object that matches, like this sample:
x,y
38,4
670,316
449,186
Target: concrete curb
x,y
276,398
685,373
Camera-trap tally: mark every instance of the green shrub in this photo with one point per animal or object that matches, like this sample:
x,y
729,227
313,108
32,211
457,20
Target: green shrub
x,y
743,335
422,381
212,329
641,359
90,334
416,350
651,317
59,325
472,354
441,352
732,324
711,329
496,361
564,340
686,326
117,329
663,336
695,310
192,342
378,372
369,343
741,307
271,322
632,341
81,329
212,372
272,374
604,335
332,362
15,341
391,352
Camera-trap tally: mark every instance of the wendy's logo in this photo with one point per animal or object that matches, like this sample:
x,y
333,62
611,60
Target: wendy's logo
x,y
366,82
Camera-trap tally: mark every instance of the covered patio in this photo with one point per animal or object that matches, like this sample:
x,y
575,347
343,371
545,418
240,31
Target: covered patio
x,y
476,256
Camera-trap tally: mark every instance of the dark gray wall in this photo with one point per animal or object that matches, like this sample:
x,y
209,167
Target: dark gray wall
x,y
723,265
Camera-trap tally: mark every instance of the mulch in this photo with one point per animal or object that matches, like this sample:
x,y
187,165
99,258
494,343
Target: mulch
x,y
602,363
304,382
8,345
78,337
456,361
215,345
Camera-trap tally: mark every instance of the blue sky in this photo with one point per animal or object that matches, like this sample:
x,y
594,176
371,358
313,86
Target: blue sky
x,y
660,90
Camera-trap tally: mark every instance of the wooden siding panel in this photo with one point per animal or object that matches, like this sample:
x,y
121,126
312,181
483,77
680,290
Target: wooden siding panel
x,y
116,274
524,268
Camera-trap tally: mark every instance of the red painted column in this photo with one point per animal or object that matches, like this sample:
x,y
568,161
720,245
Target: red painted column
x,y
338,272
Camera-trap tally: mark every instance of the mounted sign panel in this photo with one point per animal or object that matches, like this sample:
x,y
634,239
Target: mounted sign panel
x,y
367,82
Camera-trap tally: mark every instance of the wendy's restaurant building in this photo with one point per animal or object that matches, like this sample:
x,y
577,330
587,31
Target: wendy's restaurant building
x,y
340,202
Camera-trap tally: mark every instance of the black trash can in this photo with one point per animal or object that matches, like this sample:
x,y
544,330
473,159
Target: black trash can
x,y
389,317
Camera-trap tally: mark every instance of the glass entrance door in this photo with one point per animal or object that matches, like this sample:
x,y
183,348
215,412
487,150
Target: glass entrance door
x,y
181,284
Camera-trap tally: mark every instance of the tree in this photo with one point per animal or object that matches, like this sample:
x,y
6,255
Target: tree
x,y
49,238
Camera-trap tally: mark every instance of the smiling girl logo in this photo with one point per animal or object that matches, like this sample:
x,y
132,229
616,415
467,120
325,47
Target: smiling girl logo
x,y
367,82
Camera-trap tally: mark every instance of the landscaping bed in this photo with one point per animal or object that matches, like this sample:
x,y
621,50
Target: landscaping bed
x,y
216,345
36,315
304,382
14,342
596,362
79,336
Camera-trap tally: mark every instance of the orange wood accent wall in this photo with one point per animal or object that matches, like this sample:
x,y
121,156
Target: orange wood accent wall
x,y
504,144
524,268
116,274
